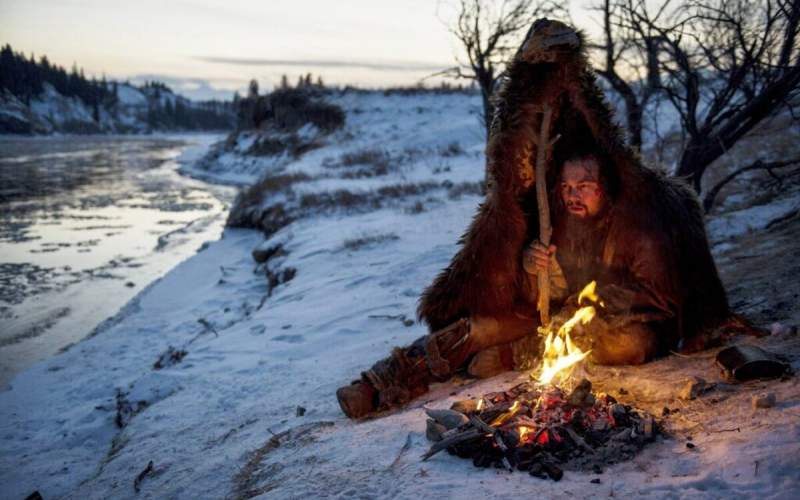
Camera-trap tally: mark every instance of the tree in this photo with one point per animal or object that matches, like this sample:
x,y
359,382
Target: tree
x,y
490,32
629,48
252,89
284,81
724,65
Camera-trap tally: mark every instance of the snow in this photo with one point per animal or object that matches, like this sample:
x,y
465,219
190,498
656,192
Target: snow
x,y
223,421
747,220
129,95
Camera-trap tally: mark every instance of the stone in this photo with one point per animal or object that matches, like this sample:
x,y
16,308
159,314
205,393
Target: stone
x,y
434,430
764,400
693,388
448,418
466,406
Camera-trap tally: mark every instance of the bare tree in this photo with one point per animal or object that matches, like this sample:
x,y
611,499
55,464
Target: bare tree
x,y
628,60
725,65
490,33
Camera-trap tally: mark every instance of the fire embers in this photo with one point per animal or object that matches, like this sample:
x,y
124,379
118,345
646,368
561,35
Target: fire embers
x,y
541,430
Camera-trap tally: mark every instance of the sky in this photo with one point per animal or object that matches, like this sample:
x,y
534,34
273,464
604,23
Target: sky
x,y
210,48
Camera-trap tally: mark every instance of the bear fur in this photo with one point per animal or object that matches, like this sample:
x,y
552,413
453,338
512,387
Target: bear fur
x,y
485,277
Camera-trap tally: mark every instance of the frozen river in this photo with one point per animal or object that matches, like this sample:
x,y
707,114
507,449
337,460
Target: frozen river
x,y
85,224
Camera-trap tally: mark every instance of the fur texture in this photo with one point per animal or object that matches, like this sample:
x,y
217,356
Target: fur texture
x,y
485,277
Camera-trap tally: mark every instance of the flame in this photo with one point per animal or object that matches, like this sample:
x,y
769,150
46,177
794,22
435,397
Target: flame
x,y
479,406
524,433
560,353
503,417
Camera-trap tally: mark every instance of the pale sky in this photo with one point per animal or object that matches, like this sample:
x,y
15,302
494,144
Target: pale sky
x,y
209,48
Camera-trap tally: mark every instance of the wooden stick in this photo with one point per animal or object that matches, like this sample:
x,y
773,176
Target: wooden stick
x,y
458,438
545,228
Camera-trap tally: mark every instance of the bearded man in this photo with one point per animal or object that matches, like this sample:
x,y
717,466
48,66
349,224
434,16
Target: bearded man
x,y
636,232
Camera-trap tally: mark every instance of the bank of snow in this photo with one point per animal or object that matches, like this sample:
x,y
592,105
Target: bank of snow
x,y
223,421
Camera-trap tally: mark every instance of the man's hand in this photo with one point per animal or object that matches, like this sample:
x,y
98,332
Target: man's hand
x,y
537,257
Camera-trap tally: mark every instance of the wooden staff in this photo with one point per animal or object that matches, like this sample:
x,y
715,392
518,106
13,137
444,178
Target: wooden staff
x,y
544,144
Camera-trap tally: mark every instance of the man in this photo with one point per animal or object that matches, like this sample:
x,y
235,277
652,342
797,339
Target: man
x,y
636,232
639,282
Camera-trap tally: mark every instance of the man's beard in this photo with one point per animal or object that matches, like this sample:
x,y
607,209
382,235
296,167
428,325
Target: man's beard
x,y
580,242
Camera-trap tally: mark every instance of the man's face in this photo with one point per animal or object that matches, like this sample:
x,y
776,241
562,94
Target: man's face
x,y
581,190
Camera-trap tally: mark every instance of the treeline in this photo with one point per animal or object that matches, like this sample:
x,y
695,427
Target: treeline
x,y
288,108
25,77
175,114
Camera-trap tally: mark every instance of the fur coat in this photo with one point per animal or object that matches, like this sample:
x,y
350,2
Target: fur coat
x,y
486,278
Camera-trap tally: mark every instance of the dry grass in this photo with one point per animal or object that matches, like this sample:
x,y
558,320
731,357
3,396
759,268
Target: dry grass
x,y
355,244
362,164
452,149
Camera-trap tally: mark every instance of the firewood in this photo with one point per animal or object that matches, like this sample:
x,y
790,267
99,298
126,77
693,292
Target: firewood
x,y
450,441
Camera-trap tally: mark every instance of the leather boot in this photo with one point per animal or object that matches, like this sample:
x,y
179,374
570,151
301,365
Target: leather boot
x,y
408,372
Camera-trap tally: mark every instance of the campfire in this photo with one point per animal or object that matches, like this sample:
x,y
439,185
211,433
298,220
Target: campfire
x,y
539,426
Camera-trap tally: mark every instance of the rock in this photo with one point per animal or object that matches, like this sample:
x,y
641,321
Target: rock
x,y
764,400
693,388
466,406
448,418
434,430
264,252
618,411
582,394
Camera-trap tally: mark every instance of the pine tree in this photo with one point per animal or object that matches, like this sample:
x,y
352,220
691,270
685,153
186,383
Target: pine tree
x,y
252,89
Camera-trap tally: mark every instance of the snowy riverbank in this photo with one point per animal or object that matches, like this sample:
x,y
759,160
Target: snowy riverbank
x,y
202,373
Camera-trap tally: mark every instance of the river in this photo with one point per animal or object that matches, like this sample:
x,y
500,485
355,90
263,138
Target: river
x,y
85,224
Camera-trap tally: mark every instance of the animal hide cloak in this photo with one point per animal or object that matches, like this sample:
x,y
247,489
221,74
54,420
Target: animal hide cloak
x,y
485,277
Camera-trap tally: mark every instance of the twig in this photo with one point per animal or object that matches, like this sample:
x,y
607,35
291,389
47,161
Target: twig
x,y
735,429
208,326
404,449
147,471
694,356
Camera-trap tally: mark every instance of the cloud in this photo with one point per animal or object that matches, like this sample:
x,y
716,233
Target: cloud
x,y
372,65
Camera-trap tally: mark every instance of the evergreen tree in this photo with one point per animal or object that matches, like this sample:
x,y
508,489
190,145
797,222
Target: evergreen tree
x,y
252,89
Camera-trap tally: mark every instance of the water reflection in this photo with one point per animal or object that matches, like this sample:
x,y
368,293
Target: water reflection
x,y
84,224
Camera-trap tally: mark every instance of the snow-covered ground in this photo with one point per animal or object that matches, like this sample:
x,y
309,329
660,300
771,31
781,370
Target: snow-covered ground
x,y
223,421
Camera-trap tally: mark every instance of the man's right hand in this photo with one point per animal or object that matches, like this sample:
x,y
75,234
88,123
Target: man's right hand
x,y
537,257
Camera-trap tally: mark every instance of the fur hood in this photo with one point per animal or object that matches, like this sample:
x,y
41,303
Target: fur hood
x,y
486,276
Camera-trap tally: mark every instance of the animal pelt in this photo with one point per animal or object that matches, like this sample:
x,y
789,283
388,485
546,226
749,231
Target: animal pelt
x,y
485,277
